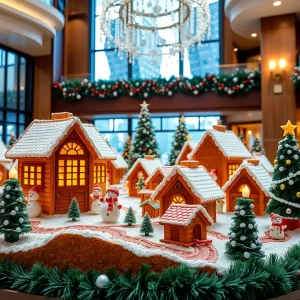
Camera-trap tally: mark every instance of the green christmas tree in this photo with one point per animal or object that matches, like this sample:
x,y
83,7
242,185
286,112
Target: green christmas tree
x,y
126,150
243,237
257,147
146,226
144,140
130,217
12,139
285,188
140,183
243,139
180,137
14,219
74,211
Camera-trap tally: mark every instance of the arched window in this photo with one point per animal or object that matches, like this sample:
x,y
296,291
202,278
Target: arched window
x,y
242,186
71,149
178,199
140,174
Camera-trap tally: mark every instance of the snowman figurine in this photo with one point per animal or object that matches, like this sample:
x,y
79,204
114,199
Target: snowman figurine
x,y
33,206
110,209
96,196
276,229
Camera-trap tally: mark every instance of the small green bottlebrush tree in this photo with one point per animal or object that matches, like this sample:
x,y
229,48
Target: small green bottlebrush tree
x,y
140,183
12,139
74,210
180,137
243,236
130,217
146,226
14,219
126,150
257,147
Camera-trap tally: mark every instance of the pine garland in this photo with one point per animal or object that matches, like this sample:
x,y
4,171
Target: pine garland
x,y
223,84
296,77
250,280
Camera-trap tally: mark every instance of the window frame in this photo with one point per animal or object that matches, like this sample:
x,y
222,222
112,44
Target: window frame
x,y
35,165
96,176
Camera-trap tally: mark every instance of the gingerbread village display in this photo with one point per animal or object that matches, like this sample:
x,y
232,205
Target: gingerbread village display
x,y
75,201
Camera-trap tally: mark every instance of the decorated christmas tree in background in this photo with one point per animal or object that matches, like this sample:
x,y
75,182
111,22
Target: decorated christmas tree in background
x,y
285,188
140,183
243,236
130,217
243,139
14,219
144,141
146,226
126,150
257,147
180,137
74,211
12,138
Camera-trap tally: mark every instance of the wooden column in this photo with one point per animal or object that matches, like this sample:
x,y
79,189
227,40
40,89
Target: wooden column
x,y
278,41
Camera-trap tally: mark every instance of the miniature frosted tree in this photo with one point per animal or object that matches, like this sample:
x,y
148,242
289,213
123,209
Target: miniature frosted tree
x,y
74,211
140,183
126,150
180,137
285,188
144,141
12,138
146,226
130,217
243,237
257,147
14,219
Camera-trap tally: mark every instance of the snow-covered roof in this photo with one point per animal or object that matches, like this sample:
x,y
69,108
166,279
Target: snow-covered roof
x,y
155,205
145,192
42,136
258,173
183,214
264,161
188,144
163,170
198,179
120,162
149,166
227,142
7,163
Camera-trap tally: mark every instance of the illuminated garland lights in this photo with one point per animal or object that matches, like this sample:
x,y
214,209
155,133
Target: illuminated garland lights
x,y
224,84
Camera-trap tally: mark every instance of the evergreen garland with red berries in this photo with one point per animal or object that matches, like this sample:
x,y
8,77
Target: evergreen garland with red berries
x,y
223,84
296,77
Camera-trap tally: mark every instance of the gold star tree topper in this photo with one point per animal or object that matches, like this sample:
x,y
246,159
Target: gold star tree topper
x,y
144,105
182,119
288,128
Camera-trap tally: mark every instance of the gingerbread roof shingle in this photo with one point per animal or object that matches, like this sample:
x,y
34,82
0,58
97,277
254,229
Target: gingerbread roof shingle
x,y
164,170
187,144
264,161
183,214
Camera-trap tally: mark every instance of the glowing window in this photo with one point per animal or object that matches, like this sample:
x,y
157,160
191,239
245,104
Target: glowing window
x,y
100,173
32,175
71,149
69,174
232,168
178,199
140,174
242,186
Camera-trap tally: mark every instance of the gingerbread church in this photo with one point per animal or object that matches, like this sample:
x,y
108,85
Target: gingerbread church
x,y
65,157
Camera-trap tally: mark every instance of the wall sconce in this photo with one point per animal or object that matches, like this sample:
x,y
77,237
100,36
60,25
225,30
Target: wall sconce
x,y
272,65
282,64
277,73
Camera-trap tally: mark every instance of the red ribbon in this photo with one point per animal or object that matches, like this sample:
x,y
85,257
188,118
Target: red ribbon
x,y
110,202
278,225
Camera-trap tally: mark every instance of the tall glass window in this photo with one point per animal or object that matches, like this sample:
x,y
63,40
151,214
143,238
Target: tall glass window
x,y
15,93
108,64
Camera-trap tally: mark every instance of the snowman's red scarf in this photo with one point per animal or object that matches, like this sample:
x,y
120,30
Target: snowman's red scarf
x,y
278,225
110,202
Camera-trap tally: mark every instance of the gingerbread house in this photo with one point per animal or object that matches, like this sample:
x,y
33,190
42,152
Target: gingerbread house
x,y
150,207
258,180
222,150
142,167
190,184
65,157
187,148
185,224
116,169
264,161
5,164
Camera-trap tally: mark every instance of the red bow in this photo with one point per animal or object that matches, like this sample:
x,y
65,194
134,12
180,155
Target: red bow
x,y
110,202
278,225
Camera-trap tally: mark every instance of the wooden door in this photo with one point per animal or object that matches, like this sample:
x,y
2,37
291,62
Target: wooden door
x,y
175,234
71,177
197,232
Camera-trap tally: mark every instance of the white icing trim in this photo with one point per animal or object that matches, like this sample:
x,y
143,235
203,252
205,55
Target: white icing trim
x,y
154,174
191,145
284,201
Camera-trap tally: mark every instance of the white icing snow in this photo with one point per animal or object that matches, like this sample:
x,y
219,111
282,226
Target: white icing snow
x,y
188,144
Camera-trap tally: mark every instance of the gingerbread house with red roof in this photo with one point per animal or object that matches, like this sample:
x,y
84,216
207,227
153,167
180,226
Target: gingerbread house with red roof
x,y
184,224
187,148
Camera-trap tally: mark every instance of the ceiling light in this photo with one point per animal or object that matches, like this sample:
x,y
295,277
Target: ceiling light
x,y
254,34
235,49
276,3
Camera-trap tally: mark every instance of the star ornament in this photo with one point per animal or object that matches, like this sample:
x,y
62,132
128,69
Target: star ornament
x,y
144,105
182,119
188,137
288,128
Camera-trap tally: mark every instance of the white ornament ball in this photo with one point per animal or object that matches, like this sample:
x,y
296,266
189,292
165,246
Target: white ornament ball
x,y
18,229
170,93
16,208
8,188
291,182
280,147
236,207
250,226
115,93
296,156
235,79
252,206
13,212
145,95
255,235
247,255
7,196
131,94
233,235
291,175
253,246
233,243
242,212
2,203
288,211
242,225
243,238
289,152
78,97
281,169
295,147
2,211
103,86
281,157
5,223
286,145
101,281
85,81
195,92
21,220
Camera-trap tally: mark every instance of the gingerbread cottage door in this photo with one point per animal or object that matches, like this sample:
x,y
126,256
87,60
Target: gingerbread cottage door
x,y
71,177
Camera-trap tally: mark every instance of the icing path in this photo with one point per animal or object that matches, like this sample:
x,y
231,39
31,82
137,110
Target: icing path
x,y
206,252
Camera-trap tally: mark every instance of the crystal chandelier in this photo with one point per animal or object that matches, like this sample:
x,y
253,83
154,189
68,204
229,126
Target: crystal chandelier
x,y
154,27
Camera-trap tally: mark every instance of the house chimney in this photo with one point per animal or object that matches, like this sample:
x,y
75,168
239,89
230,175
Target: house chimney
x,y
254,162
61,115
219,128
193,164
150,157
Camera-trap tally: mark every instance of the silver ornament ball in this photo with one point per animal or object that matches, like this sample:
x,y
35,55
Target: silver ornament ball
x,y
101,281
